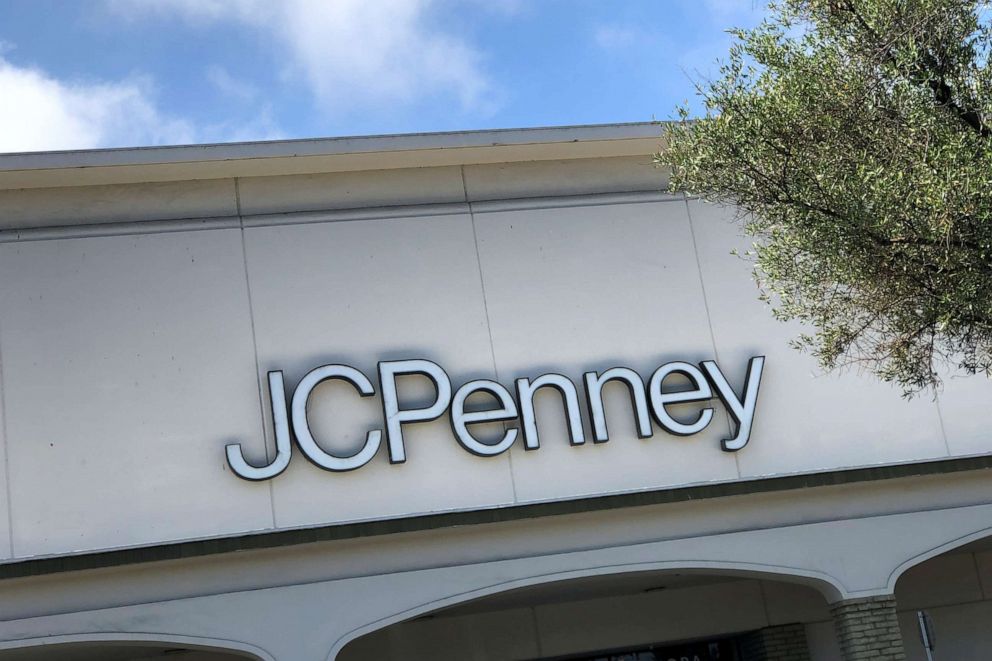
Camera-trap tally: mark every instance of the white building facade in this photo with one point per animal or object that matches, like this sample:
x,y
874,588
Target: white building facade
x,y
485,395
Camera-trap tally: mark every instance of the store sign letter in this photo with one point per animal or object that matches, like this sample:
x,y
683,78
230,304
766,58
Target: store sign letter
x,y
706,382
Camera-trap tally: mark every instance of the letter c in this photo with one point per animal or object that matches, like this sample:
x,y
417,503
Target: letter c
x,y
301,425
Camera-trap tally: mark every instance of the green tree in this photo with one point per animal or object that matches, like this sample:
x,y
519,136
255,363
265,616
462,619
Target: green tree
x,y
855,138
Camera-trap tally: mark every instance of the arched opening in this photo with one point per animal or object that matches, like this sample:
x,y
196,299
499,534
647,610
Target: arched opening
x,y
954,592
635,616
120,650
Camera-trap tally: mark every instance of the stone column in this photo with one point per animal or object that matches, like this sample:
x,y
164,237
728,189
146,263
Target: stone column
x,y
868,629
782,643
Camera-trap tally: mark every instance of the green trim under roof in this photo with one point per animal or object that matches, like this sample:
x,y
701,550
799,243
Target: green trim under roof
x,y
341,531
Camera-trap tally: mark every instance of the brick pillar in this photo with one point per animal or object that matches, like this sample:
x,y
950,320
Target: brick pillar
x,y
782,643
868,629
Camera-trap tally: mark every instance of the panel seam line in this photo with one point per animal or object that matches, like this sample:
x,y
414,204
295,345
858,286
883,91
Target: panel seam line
x,y
489,325
706,307
254,343
940,421
6,455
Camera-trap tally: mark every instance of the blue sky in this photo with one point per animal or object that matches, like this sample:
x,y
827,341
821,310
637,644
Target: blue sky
x,y
110,73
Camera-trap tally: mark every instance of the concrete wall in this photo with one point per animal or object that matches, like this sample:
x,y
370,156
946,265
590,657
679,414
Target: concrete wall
x,y
138,322
949,587
130,360
565,622
308,602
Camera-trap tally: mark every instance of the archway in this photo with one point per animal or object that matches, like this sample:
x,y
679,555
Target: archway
x,y
643,615
126,647
954,591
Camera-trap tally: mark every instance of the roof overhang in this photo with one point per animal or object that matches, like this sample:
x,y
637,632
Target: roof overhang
x,y
283,157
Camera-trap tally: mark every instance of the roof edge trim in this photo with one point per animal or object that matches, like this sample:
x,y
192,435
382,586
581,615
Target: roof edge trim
x,y
303,156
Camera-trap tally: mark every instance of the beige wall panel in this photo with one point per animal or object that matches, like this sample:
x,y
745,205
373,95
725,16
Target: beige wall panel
x,y
588,288
86,205
806,420
6,550
360,292
965,423
128,364
565,289
501,181
347,190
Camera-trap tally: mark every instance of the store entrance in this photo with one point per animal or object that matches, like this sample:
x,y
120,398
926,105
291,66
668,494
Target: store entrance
x,y
680,615
724,649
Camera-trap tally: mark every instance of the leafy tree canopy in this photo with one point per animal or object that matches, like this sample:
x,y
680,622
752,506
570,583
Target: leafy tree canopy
x,y
855,138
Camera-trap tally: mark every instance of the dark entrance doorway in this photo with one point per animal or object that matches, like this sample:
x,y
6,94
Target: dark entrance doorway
x,y
658,615
725,649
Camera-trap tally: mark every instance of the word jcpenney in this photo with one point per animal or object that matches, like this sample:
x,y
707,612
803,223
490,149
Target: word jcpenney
x,y
705,382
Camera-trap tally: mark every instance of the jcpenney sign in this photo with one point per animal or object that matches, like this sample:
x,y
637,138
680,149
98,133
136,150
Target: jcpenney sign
x,y
706,382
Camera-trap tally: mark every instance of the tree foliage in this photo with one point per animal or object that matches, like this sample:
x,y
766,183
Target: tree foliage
x,y
855,138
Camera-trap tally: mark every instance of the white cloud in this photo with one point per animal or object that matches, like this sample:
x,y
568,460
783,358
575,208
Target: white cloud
x,y
615,37
197,11
39,112
260,127
230,86
504,8
353,54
